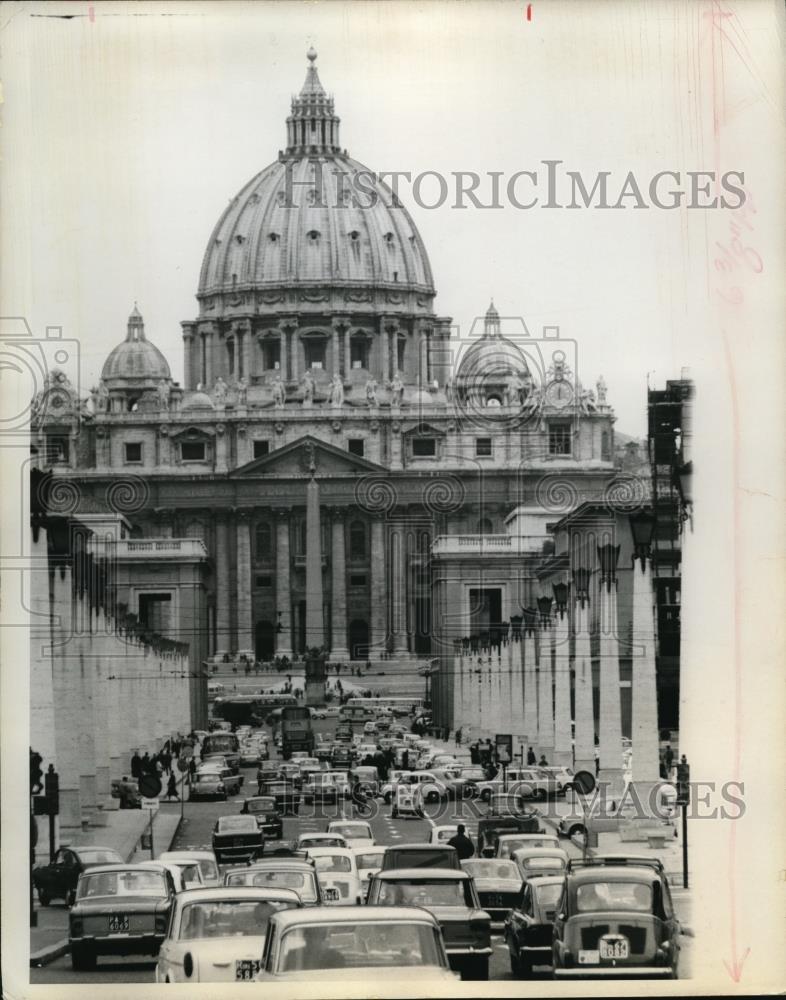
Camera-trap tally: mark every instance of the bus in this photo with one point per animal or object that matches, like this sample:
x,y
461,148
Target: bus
x,y
363,709
250,709
296,731
223,743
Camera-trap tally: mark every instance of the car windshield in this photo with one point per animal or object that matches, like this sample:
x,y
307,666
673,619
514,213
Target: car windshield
x,y
122,883
208,867
426,892
548,895
372,859
261,805
358,945
208,776
301,882
507,870
237,824
543,864
228,918
507,847
473,774
614,896
220,744
352,830
189,870
333,863
99,857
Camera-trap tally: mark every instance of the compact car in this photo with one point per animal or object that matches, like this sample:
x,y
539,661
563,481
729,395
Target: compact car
x,y
205,859
263,809
337,874
298,874
530,924
237,838
356,833
498,884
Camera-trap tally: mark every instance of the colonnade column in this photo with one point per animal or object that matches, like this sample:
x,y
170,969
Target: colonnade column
x,y
530,685
315,620
610,716
563,753
245,638
378,636
385,341
283,597
223,586
545,694
584,746
398,610
338,601
336,350
644,687
517,726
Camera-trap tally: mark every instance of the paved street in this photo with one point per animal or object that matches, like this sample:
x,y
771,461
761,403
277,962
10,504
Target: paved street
x,y
196,830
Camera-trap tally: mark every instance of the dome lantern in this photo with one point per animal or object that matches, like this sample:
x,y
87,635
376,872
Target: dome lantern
x,y
312,126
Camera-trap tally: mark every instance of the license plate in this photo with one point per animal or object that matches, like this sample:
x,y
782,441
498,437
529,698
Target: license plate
x,y
331,895
118,923
614,947
246,968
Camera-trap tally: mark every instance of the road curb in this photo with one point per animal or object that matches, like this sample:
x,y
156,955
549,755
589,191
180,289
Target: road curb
x,y
50,954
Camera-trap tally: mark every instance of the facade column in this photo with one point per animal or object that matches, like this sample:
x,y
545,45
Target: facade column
x,y
347,353
385,343
378,631
336,366
530,687
505,684
245,635
283,356
517,726
456,664
585,711
294,367
398,590
338,602
223,587
610,717
563,752
545,694
247,354
283,595
484,696
209,378
644,688
315,619
103,734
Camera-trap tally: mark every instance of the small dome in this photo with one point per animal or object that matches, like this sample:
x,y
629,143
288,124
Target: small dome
x,y
136,361
491,359
197,401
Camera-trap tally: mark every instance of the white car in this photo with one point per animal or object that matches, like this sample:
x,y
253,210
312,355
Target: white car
x,y
442,834
432,788
217,935
510,842
357,833
189,872
338,875
329,712
205,859
308,840
407,800
368,861
370,727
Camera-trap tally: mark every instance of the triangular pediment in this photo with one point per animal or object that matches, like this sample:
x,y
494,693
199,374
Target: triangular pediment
x,y
295,459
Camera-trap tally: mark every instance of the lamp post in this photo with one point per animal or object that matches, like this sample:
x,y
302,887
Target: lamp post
x,y
610,716
545,683
644,688
584,746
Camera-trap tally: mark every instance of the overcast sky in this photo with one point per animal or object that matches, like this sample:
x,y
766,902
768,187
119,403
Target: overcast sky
x,y
130,130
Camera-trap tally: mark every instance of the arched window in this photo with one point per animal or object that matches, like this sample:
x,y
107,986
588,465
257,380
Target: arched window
x,y
357,540
485,527
196,529
263,541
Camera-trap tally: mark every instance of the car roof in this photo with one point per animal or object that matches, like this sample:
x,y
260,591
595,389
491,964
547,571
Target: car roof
x,y
325,852
197,855
403,874
420,847
609,873
148,866
209,895
282,863
353,915
84,848
528,836
539,852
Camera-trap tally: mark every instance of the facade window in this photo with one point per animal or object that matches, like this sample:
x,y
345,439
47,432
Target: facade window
x,y
133,451
358,352
401,346
483,447
196,529
231,357
357,580
263,542
261,448
485,527
192,451
560,439
605,447
155,612
315,353
356,446
263,582
57,449
271,355
424,447
357,540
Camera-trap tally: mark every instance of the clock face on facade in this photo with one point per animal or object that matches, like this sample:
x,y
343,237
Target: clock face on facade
x,y
559,393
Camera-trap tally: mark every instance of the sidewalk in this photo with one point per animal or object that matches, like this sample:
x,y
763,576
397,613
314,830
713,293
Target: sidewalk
x,y
123,833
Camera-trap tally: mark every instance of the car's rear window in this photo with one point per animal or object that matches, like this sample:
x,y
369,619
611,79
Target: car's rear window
x,y
426,892
237,824
302,882
123,883
373,859
614,896
228,918
261,805
333,863
208,868
492,869
426,858
100,857
360,945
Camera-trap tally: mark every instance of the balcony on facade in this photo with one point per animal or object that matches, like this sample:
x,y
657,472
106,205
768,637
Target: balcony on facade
x,y
491,545
161,548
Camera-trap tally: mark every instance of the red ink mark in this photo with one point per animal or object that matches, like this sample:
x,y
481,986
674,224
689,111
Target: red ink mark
x,y
735,254
91,13
529,11
734,967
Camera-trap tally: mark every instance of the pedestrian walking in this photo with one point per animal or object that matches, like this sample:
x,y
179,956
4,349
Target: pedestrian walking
x,y
461,842
192,767
136,765
166,761
668,759
171,788
147,765
458,737
531,759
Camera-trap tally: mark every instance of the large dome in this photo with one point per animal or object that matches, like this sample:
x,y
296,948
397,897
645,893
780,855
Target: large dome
x,y
286,228
136,361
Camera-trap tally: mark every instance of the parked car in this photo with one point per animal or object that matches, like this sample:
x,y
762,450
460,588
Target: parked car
x,y
217,935
356,833
237,838
119,909
451,896
528,782
337,874
296,873
562,775
353,945
420,856
58,879
507,843
616,920
530,924
263,809
206,860
498,884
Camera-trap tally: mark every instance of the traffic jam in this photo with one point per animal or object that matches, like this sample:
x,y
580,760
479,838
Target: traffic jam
x,y
323,863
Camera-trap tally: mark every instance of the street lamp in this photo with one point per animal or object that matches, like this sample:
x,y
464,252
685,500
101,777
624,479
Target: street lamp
x,y
581,584
607,556
642,526
561,597
530,619
544,607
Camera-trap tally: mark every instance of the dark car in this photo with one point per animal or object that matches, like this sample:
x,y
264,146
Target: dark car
x,y
237,838
119,909
498,882
341,758
529,927
490,828
615,920
127,792
263,809
285,794
420,856
58,879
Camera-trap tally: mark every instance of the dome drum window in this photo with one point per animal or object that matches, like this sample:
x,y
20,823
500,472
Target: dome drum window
x,y
313,236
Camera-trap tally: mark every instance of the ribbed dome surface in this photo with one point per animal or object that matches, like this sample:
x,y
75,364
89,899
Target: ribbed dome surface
x,y
261,241
491,357
136,358
197,401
